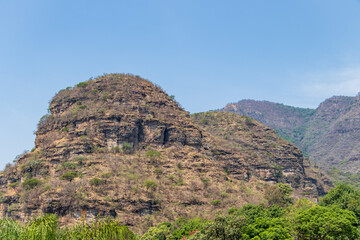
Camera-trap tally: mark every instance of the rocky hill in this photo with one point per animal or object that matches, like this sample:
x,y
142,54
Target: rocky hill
x,y
329,134
120,146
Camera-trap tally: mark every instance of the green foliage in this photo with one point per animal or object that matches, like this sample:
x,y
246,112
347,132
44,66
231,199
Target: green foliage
x,y
14,184
150,184
158,171
153,155
225,227
326,223
65,129
205,181
9,229
31,183
279,194
82,84
69,176
46,227
99,230
338,176
31,166
97,149
127,148
96,181
344,196
43,120
215,202
248,121
115,149
70,165
43,227
161,232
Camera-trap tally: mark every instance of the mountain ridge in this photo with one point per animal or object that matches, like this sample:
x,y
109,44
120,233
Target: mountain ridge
x,y
327,134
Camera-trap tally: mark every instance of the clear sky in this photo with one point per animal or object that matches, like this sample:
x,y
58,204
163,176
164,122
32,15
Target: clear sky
x,y
205,52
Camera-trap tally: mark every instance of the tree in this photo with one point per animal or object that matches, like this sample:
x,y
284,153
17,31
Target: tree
x,y
326,223
344,196
279,194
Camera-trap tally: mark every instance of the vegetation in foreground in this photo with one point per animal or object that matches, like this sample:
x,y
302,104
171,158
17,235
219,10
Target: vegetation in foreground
x,y
335,217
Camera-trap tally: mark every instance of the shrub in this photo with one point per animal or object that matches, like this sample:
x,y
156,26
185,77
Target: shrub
x,y
69,176
31,183
106,175
150,184
31,166
279,194
158,171
96,181
215,202
248,121
115,149
127,147
205,181
152,155
14,184
43,120
82,84
69,165
65,129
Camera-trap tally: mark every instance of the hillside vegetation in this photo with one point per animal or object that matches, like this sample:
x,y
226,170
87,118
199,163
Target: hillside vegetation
x,y
335,217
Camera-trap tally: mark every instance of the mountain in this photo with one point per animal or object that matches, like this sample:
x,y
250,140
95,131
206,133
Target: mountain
x,y
119,146
329,135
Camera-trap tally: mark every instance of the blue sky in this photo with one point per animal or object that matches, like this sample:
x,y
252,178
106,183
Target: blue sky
x,y
205,52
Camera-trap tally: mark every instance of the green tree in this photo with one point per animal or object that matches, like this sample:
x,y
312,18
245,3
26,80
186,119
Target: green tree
x,y
279,194
326,223
344,196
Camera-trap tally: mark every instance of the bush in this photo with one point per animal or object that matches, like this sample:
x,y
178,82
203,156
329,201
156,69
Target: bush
x,y
279,194
153,155
150,184
69,165
14,184
215,202
96,181
248,121
82,84
31,183
69,176
47,227
115,149
127,148
158,171
43,120
31,166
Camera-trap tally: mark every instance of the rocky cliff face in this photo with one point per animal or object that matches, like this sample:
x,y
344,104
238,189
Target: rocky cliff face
x,y
329,134
120,146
